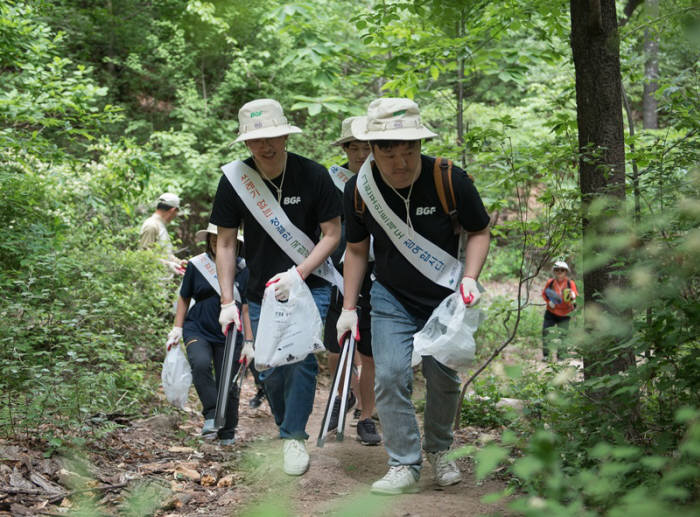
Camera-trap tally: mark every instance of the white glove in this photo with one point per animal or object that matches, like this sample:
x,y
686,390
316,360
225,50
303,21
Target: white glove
x,y
552,304
247,352
175,267
174,338
229,313
347,322
469,291
284,282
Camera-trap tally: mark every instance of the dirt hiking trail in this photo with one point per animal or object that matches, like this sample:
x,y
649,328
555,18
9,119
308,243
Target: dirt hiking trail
x,y
160,466
340,473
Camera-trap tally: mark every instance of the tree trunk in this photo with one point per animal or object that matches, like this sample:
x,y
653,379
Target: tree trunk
x,y
460,91
595,46
651,70
110,41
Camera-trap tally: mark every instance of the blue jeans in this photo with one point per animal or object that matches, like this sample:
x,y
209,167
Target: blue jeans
x,y
392,345
291,388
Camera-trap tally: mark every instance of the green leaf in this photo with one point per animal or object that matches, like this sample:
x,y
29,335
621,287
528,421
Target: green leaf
x,y
488,458
494,497
626,452
514,371
526,467
654,462
686,414
508,437
601,450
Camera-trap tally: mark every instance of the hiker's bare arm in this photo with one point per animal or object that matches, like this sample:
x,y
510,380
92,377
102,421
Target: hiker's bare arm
x,y
354,269
476,252
226,261
329,242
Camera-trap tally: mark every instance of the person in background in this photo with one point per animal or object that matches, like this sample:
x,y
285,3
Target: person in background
x,y
356,153
257,399
198,327
259,396
560,294
263,192
154,232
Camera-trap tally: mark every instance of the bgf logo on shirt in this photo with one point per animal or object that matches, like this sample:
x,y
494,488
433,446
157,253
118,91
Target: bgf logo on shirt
x,y
425,210
291,200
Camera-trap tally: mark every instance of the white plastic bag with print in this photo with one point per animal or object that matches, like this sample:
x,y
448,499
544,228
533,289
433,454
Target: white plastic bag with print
x,y
288,331
448,335
176,377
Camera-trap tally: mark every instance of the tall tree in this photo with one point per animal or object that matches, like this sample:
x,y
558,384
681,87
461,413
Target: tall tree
x,y
596,52
651,69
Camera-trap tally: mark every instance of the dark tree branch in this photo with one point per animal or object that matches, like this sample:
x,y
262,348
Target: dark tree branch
x,y
629,9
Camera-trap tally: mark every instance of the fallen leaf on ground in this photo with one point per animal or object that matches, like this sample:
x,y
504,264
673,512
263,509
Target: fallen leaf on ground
x,y
226,481
180,449
182,472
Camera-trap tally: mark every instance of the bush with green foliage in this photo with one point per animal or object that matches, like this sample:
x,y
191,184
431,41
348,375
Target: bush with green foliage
x,y
82,312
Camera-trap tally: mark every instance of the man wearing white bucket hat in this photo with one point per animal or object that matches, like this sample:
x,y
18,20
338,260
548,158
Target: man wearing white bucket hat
x,y
291,217
356,152
395,199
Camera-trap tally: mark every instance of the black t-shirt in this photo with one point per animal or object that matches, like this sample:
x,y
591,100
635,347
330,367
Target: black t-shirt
x,y
308,199
363,301
418,294
203,317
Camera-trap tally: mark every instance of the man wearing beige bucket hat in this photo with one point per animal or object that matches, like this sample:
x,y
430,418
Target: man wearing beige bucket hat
x,y
292,218
395,198
356,152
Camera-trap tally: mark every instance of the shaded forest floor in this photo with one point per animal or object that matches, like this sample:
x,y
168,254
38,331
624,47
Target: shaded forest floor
x,y
160,466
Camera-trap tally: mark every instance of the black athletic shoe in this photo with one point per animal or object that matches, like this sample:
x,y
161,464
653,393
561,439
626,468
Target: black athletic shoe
x,y
335,413
367,432
257,400
355,417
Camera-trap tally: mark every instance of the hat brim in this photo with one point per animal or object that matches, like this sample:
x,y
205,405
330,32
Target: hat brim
x,y
200,236
268,132
359,132
345,140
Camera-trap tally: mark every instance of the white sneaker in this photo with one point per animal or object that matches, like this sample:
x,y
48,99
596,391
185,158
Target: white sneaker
x,y
399,480
446,471
296,459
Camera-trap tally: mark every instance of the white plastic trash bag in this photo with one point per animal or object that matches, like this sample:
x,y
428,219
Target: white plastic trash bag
x,y
288,331
176,377
448,335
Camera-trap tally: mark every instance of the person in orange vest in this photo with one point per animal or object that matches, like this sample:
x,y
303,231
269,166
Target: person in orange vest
x,y
560,295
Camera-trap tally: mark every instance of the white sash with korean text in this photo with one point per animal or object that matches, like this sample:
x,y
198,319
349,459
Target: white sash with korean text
x,y
340,176
250,187
207,267
430,260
